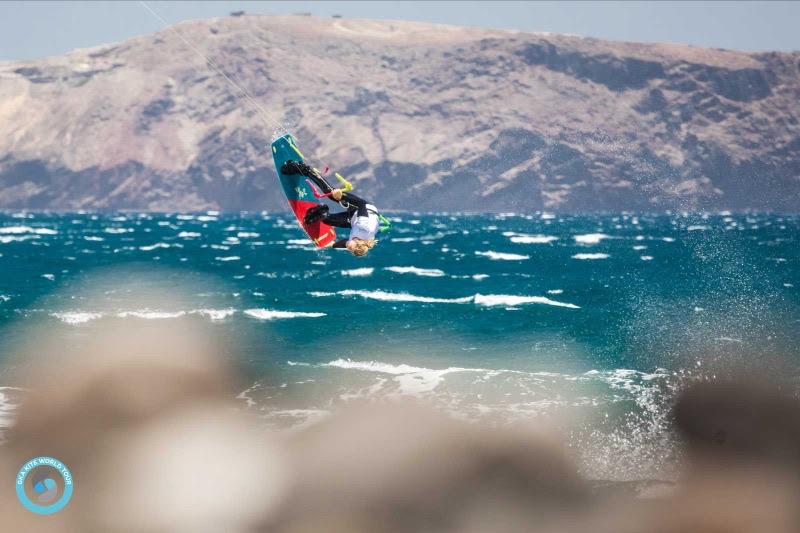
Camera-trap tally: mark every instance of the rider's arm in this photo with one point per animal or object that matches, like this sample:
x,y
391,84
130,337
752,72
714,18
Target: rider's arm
x,y
295,167
320,181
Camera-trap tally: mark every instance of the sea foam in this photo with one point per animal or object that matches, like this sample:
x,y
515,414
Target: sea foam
x,y
358,272
151,315
214,314
271,314
412,380
490,300
500,256
401,297
424,272
76,317
484,300
17,230
591,238
521,238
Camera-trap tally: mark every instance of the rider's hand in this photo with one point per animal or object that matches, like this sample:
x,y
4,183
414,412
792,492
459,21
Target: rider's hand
x,y
336,194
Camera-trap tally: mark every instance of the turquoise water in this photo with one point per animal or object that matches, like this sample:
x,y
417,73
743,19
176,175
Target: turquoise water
x,y
503,318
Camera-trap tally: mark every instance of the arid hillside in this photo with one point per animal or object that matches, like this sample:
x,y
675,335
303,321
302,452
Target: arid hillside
x,y
421,116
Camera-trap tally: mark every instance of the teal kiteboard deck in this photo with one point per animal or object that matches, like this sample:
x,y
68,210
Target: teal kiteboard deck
x,y
299,192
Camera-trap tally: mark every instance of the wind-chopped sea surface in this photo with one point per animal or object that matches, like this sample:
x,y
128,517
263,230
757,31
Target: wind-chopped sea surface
x,y
590,322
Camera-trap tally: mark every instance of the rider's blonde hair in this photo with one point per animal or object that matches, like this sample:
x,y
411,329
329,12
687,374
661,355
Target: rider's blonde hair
x,y
360,247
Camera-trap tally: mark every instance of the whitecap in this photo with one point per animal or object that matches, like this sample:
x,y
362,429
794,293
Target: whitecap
x,y
490,300
591,238
522,238
299,241
76,317
499,256
358,272
248,235
270,314
478,277
93,239
646,258
17,230
151,315
5,239
697,228
154,246
485,300
424,272
228,258
590,256
401,297
115,231
51,277
188,235
403,239
375,366
555,291
214,314
411,380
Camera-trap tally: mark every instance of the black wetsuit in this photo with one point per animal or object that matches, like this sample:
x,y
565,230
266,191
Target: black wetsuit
x,y
352,203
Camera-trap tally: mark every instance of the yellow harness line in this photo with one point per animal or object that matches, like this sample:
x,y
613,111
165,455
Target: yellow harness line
x,y
347,185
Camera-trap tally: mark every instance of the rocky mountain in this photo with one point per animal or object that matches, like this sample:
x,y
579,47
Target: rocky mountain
x,y
421,116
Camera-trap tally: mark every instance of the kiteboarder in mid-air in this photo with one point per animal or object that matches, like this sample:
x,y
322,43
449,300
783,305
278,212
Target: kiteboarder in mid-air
x,y
361,217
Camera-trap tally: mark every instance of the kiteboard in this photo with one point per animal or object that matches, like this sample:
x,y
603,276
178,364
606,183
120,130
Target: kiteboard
x,y
299,192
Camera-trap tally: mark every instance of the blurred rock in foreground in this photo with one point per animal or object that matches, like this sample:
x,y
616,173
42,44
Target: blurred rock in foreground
x,y
145,421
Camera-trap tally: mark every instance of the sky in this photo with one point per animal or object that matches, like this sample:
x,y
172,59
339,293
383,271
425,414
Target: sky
x,y
30,30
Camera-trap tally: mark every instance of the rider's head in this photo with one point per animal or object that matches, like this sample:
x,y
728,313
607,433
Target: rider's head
x,y
360,247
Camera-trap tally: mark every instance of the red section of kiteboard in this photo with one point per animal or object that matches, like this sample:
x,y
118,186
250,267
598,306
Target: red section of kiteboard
x,y
322,234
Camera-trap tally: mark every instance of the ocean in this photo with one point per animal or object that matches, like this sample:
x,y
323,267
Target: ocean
x,y
588,322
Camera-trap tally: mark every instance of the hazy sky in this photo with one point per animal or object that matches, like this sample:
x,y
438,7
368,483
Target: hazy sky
x,y
36,29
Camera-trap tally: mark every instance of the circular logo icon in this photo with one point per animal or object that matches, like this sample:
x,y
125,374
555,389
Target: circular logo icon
x,y
44,485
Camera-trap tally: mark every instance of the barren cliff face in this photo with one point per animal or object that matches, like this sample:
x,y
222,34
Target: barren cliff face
x,y
421,116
